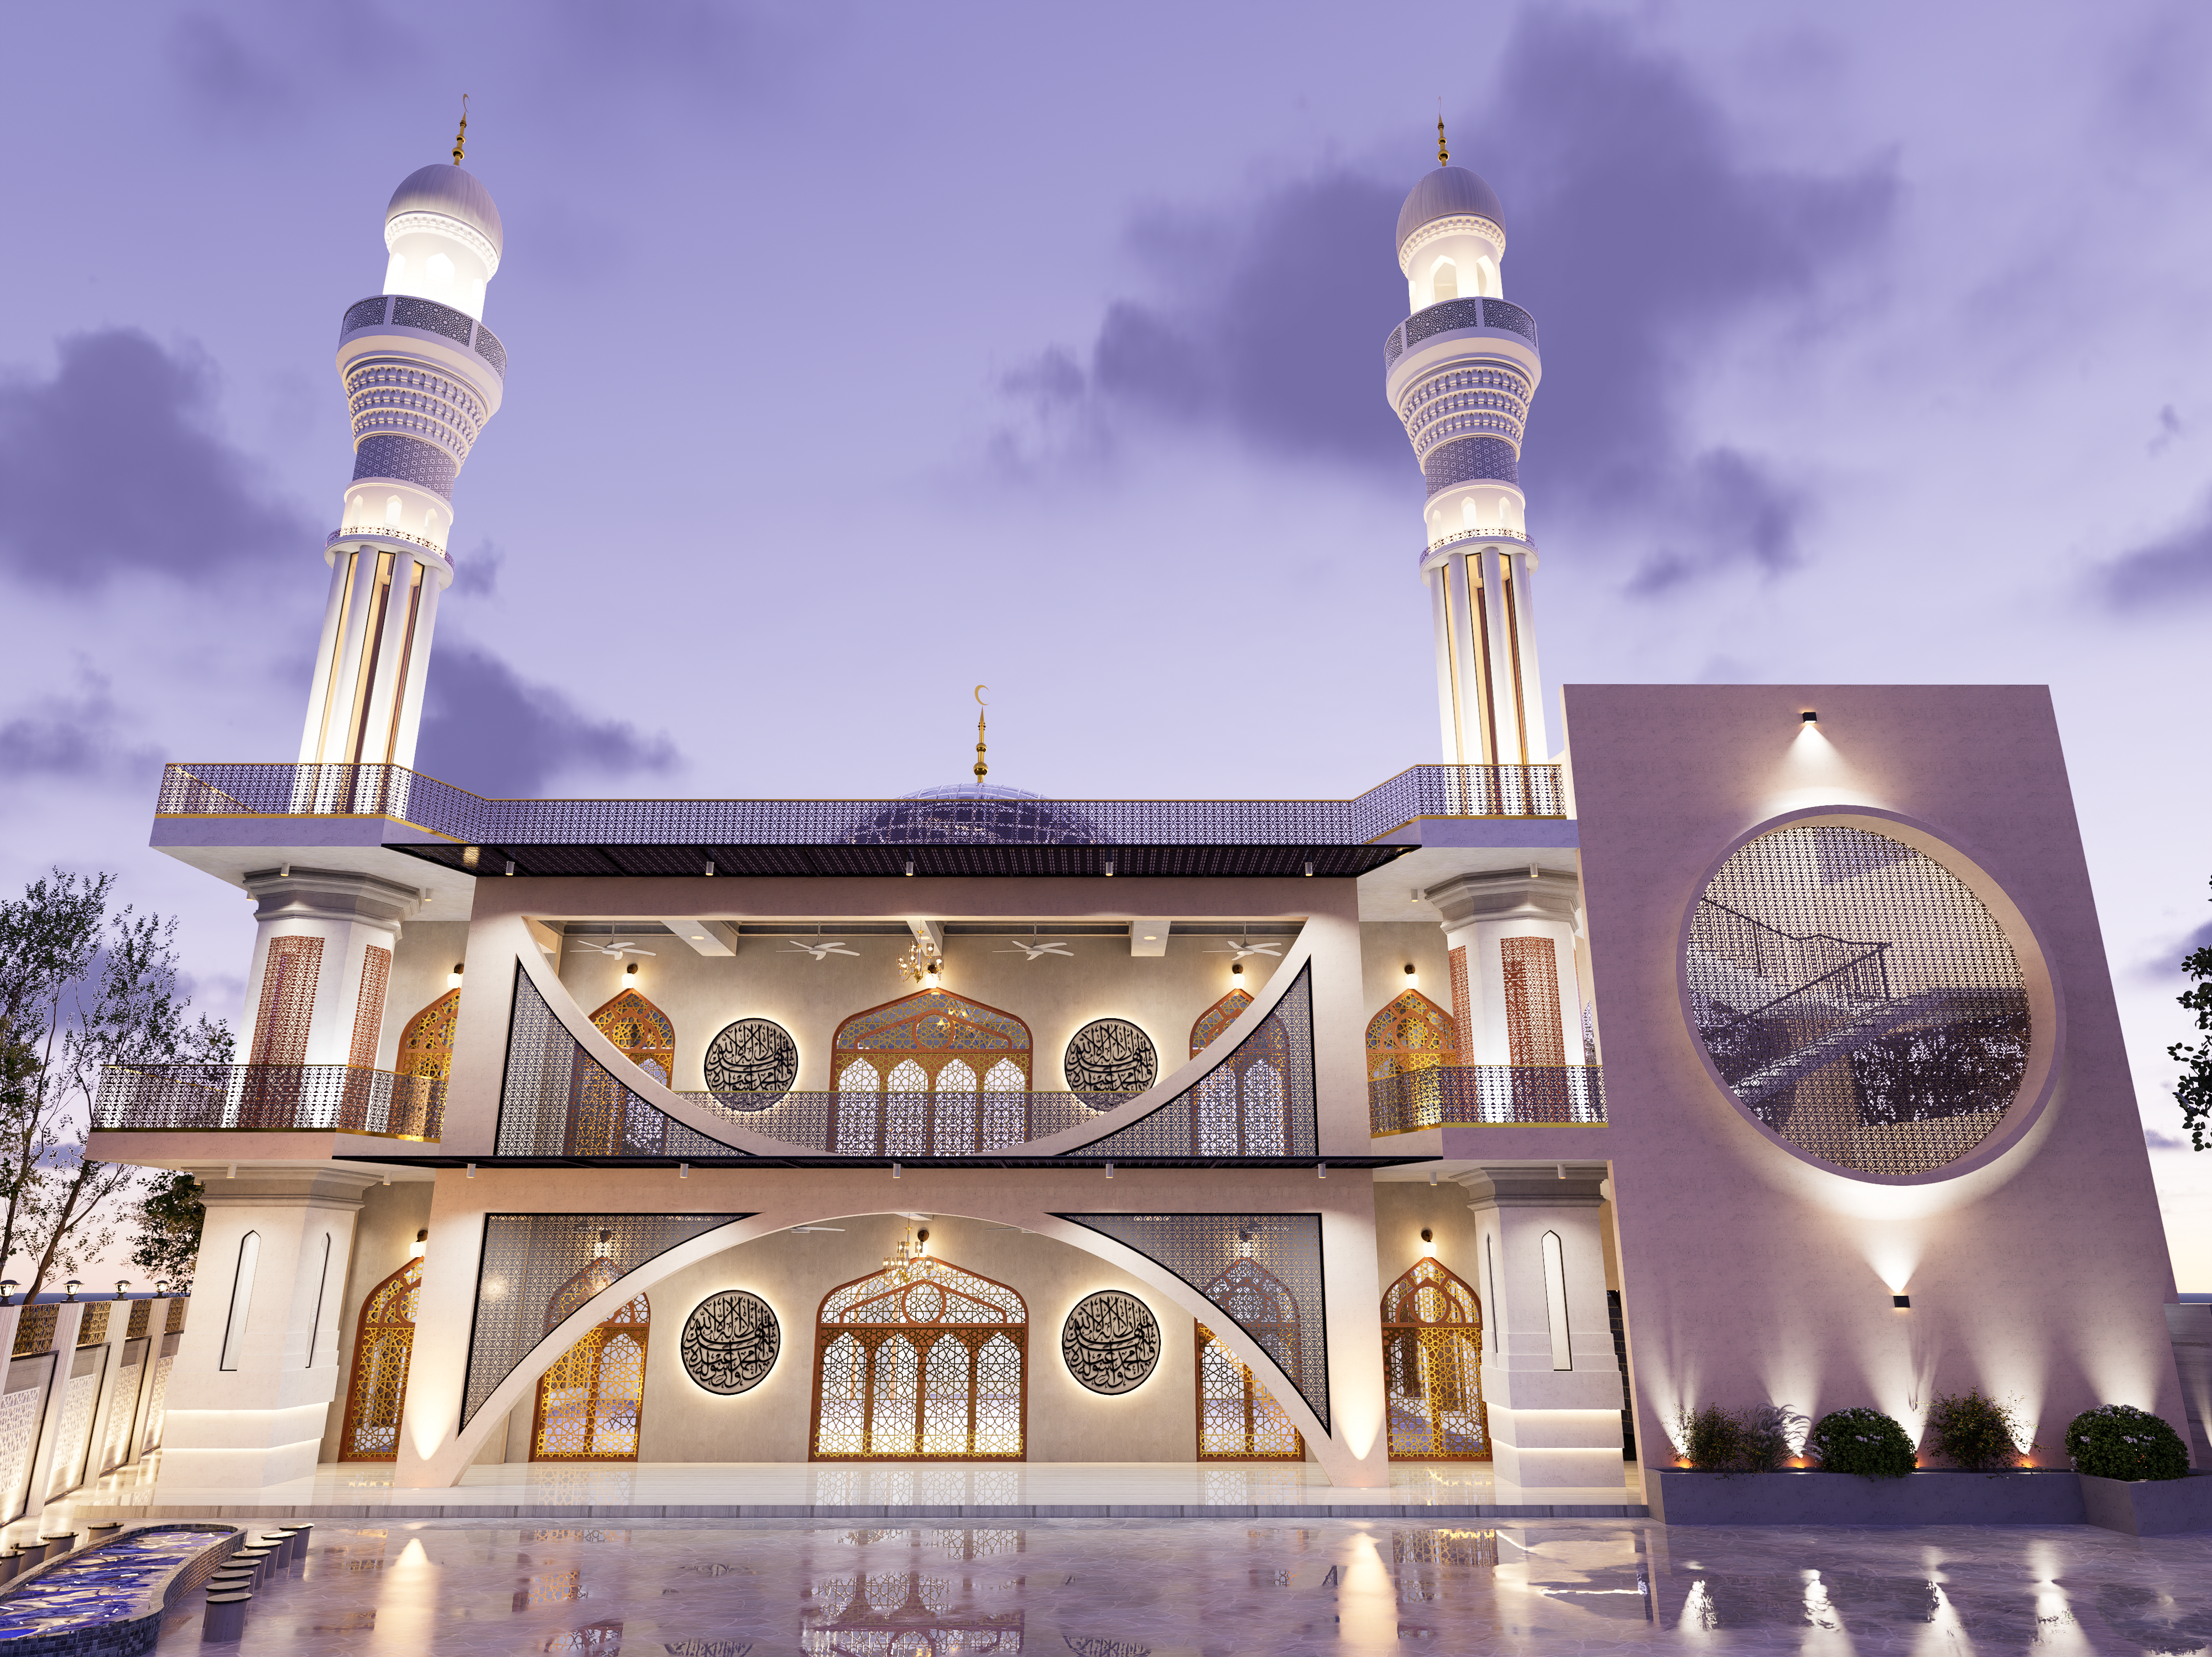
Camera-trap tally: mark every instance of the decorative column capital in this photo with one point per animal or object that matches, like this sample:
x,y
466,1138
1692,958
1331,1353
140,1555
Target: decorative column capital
x,y
293,893
1507,894
1545,1184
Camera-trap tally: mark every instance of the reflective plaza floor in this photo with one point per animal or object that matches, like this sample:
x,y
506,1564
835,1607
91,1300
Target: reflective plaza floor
x,y
1134,1587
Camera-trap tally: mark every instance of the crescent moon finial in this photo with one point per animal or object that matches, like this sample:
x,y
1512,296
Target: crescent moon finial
x,y
982,769
979,689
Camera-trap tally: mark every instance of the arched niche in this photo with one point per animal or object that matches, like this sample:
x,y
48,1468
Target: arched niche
x,y
591,1400
1217,1018
426,1045
1432,1364
1411,1033
384,1341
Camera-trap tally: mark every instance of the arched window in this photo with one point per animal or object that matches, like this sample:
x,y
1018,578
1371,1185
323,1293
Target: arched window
x,y
934,1044
383,1341
1445,279
1411,1033
426,1045
1238,1419
591,1403
1238,1109
1217,1018
600,1103
1432,1366
922,1360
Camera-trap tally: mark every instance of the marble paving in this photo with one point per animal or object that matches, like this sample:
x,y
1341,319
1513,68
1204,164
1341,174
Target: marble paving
x,y
816,1489
1211,1587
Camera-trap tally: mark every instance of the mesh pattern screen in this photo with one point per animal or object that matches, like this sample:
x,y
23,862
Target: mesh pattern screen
x,y
536,1268
1258,1101
1263,1270
555,1100
1857,999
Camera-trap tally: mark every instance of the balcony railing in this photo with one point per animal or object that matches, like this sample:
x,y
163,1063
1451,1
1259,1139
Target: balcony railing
x,y
336,790
1479,1094
955,1123
270,1099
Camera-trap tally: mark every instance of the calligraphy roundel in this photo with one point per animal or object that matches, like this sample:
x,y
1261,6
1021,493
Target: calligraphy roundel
x,y
1110,1056
1111,1342
730,1342
752,1063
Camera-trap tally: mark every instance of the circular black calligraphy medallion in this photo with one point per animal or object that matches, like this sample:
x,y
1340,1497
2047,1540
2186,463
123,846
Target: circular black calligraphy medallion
x,y
1110,1056
1111,1342
730,1342
751,1064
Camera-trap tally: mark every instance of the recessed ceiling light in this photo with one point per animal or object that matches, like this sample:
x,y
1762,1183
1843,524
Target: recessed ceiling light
x,y
1151,937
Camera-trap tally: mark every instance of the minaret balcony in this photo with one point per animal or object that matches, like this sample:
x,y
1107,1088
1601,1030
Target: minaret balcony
x,y
1470,538
270,1099
1474,1094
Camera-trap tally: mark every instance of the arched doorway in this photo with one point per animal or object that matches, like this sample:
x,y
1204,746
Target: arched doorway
x,y
1238,1107
930,1075
1432,1364
1411,1033
591,1403
383,1341
598,1107
1217,1018
921,1362
1238,1419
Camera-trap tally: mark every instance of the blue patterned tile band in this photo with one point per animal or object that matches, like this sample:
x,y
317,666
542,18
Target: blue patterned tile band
x,y
407,312
409,461
1492,458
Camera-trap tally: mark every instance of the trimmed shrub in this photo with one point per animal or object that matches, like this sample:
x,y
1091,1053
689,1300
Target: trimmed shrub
x,y
1976,1433
1755,1440
1862,1441
2116,1441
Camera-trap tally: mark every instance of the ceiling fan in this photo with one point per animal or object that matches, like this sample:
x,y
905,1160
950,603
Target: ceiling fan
x,y
1238,951
817,948
616,947
1030,951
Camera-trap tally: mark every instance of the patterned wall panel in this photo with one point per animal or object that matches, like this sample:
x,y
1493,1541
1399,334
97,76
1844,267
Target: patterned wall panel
x,y
369,1010
1263,1270
20,1412
123,1408
71,1437
1258,1101
555,1100
157,1403
529,1258
426,1045
287,1000
1536,1030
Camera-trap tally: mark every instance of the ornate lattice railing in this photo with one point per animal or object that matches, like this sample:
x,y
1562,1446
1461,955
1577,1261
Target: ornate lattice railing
x,y
1486,1093
271,1099
333,790
954,1123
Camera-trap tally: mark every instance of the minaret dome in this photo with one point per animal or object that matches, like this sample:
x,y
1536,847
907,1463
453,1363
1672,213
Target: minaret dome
x,y
1451,238
442,228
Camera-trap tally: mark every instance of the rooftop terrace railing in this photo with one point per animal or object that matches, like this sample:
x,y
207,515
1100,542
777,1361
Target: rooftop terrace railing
x,y
1477,1093
270,1099
393,791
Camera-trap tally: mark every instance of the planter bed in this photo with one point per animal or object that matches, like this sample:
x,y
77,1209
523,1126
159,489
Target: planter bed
x,y
2151,1506
2038,1496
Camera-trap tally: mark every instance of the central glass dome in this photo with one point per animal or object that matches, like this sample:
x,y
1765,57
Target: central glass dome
x,y
973,814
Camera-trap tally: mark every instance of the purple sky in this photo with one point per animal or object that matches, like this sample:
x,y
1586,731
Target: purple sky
x,y
863,353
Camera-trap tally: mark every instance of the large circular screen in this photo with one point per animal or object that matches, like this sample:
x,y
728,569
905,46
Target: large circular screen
x,y
1857,999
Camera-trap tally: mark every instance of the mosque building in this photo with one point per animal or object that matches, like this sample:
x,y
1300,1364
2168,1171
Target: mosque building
x,y
1657,1045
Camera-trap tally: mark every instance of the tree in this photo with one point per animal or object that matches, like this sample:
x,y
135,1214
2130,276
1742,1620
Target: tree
x,y
170,1217
2194,1091
80,988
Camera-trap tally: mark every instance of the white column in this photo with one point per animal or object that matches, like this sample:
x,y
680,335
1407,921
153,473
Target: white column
x,y
257,1369
1456,735
1481,912
1528,686
1550,1378
349,914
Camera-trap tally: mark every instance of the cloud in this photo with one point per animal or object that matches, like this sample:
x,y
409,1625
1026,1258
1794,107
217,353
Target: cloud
x,y
487,730
112,466
72,736
2164,1141
475,575
1642,232
2176,565
230,79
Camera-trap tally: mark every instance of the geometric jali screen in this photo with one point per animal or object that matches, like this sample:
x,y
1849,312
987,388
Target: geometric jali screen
x,y
555,1100
1857,998
1263,1270
1257,1101
534,1265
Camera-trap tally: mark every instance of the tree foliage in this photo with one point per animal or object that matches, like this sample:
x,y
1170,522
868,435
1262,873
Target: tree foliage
x,y
82,986
170,1217
2193,1092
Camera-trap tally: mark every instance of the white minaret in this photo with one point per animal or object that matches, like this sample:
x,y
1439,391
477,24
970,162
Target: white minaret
x,y
1460,372
422,374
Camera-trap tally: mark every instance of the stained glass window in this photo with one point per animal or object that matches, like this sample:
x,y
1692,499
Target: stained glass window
x,y
591,1402
1411,1033
1217,1018
384,1340
643,1033
933,1043
1237,1420
426,1045
1432,1365
922,1361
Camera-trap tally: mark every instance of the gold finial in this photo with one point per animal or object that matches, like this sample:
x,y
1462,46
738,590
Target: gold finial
x,y
1444,151
461,137
982,769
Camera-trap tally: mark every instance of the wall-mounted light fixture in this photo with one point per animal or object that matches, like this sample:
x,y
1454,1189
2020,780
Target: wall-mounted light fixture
x,y
1413,977
1237,971
421,1246
1809,718
1902,1302
453,978
1428,1241
630,976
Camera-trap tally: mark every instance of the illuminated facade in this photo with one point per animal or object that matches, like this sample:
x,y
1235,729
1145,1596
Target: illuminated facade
x,y
978,1127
